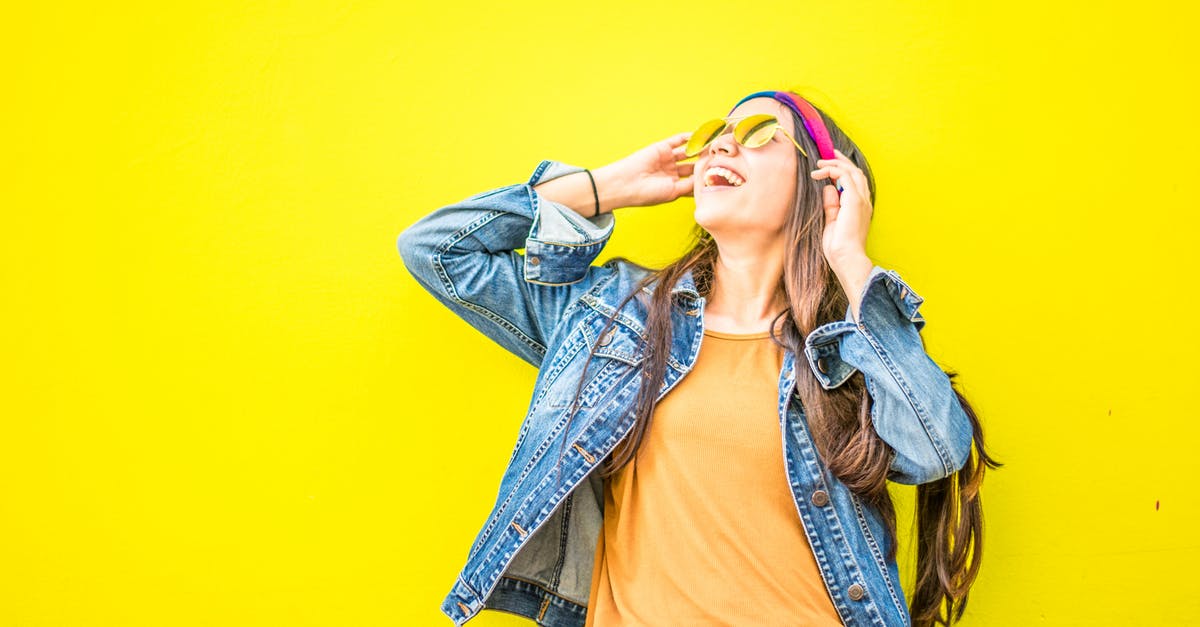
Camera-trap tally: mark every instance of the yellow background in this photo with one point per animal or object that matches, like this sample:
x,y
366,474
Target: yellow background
x,y
225,401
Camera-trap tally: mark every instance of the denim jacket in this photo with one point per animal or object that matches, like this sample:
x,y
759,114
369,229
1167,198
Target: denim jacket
x,y
534,554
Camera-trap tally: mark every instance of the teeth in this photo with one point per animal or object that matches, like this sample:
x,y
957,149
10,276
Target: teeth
x,y
725,173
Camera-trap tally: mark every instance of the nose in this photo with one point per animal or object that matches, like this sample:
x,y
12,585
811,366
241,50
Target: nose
x,y
723,143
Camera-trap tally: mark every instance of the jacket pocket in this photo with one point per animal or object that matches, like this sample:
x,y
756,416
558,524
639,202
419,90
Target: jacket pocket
x,y
619,352
619,342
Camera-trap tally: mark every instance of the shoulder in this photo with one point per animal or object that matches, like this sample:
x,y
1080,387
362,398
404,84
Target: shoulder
x,y
620,278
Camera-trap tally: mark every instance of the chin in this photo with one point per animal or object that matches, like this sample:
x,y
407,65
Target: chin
x,y
710,217
717,217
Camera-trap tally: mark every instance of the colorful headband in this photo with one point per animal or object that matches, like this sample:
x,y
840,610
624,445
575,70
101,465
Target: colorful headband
x,y
812,120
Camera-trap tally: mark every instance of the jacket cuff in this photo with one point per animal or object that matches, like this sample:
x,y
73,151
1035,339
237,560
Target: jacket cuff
x,y
561,243
885,297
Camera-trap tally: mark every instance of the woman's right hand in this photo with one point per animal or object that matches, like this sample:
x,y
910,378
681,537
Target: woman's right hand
x,y
654,174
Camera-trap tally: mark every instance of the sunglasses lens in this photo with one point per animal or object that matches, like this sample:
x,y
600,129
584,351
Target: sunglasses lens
x,y
755,130
704,136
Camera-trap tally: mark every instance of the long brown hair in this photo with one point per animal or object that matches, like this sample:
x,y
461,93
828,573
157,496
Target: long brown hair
x,y
949,510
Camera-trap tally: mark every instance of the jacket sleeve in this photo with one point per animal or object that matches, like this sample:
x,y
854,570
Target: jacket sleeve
x,y
914,408
465,255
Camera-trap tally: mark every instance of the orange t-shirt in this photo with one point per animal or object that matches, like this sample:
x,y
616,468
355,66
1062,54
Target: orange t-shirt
x,y
701,528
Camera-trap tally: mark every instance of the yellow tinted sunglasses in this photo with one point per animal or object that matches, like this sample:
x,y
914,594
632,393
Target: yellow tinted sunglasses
x,y
751,131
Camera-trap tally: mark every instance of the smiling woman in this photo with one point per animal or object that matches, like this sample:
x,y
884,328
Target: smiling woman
x,y
719,176
771,374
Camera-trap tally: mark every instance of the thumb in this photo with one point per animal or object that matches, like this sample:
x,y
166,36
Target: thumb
x,y
831,202
683,187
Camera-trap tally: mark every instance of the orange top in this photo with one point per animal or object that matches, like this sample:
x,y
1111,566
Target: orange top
x,y
701,528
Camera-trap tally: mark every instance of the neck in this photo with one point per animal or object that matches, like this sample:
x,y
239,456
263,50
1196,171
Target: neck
x,y
746,294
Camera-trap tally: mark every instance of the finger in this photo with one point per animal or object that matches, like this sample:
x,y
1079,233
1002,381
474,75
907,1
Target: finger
x,y
840,176
840,158
844,162
843,158
832,172
836,180
856,176
678,138
683,187
680,154
860,180
685,169
853,174
831,203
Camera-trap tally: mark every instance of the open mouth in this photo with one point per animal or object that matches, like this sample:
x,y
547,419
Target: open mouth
x,y
717,176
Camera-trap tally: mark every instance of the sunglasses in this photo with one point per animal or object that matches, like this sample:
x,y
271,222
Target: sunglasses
x,y
751,131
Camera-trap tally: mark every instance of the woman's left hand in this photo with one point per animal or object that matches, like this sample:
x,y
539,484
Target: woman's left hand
x,y
848,217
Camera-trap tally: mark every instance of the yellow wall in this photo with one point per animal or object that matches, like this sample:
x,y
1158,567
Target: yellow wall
x,y
225,401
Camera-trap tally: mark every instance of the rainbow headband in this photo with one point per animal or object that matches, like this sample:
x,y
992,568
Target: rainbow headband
x,y
812,120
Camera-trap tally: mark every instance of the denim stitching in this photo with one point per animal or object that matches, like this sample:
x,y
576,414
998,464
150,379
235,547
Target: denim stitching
x,y
824,335
622,337
544,589
559,365
556,580
555,500
448,283
814,540
623,319
535,199
823,481
917,408
862,523
817,548
468,586
439,251
547,242
911,300
525,472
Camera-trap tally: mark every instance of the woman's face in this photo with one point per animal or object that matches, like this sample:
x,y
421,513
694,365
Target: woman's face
x,y
760,205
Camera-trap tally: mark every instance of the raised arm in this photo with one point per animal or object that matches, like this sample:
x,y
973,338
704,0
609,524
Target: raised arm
x,y
913,406
466,256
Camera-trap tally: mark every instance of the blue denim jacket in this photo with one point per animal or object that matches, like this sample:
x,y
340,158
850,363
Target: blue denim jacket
x,y
534,555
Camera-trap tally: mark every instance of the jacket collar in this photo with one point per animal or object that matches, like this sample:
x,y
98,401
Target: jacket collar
x,y
683,290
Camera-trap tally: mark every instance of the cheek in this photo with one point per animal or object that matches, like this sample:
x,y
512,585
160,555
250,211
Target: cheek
x,y
783,183
783,192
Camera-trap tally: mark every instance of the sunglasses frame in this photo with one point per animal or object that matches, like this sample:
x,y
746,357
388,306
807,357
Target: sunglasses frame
x,y
778,126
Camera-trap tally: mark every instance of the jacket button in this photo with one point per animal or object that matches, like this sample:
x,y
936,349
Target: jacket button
x,y
823,365
820,498
856,592
604,341
535,260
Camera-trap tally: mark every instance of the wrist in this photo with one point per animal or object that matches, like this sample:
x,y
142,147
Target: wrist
x,y
852,271
610,186
850,262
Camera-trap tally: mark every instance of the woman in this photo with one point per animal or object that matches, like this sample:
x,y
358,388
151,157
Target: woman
x,y
741,484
